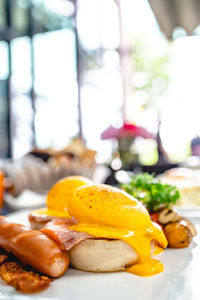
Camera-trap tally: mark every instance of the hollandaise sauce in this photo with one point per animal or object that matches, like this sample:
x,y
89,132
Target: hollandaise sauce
x,y
139,240
107,212
50,212
147,268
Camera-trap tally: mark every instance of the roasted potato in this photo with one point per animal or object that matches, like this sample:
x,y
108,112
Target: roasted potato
x,y
178,234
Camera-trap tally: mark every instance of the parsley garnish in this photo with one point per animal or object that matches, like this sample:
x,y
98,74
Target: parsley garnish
x,y
151,192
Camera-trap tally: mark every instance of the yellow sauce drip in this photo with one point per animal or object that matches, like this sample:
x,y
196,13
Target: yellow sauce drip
x,y
147,268
139,240
157,250
51,212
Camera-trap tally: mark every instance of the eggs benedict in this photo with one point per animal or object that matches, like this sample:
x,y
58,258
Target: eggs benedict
x,y
104,229
121,228
57,202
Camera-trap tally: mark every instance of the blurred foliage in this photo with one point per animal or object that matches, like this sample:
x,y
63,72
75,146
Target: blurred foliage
x,y
153,65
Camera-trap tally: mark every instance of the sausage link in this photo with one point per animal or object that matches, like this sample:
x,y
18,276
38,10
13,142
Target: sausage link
x,y
33,248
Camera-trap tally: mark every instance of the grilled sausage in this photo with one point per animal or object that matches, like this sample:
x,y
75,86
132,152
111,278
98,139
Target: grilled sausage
x,y
33,248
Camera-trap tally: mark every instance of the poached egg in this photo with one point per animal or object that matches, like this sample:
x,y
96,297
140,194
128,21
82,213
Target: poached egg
x,y
110,213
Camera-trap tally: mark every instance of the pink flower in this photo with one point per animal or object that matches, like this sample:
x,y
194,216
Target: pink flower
x,y
127,130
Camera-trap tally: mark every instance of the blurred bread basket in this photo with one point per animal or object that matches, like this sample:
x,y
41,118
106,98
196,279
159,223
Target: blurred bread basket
x,y
40,169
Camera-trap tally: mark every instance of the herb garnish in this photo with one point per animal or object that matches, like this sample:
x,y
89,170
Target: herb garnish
x,y
151,191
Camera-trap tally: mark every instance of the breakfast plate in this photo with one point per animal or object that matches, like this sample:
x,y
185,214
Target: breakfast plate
x,y
179,281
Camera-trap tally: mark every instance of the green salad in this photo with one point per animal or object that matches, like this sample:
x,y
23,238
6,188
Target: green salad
x,y
151,191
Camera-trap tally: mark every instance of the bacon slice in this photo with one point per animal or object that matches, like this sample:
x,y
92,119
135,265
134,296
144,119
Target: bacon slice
x,y
3,256
22,279
65,237
46,218
38,221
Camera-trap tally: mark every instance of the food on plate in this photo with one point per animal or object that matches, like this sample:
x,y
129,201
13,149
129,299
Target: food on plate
x,y
188,183
1,188
113,232
166,215
178,234
159,198
22,278
62,191
33,248
59,231
179,231
57,202
151,192
3,256
104,255
38,218
121,226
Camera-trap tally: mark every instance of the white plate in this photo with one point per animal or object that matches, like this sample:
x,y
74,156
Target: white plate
x,y
179,281
26,200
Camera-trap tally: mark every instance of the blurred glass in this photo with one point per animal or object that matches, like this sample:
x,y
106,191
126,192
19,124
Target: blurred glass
x,y
21,65
1,189
101,81
54,80
2,14
103,15
19,16
56,119
4,144
3,99
21,83
3,60
21,125
52,15
46,15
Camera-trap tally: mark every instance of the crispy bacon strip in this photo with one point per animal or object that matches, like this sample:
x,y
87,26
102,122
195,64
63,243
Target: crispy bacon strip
x,y
23,279
66,238
3,256
34,217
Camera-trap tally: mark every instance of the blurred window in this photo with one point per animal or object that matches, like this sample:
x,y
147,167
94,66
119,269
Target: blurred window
x,y
37,75
164,78
20,16
56,103
4,117
4,60
2,15
21,82
39,61
4,145
101,78
43,72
